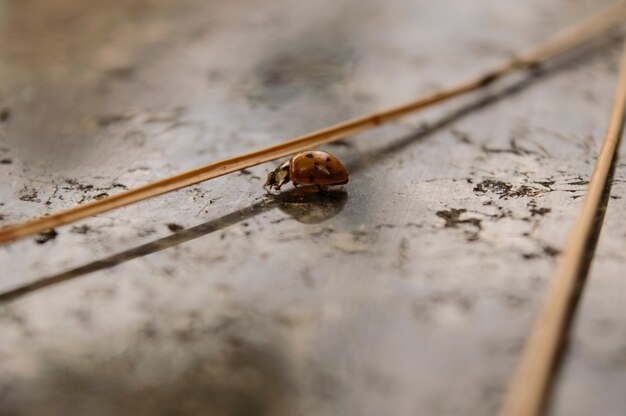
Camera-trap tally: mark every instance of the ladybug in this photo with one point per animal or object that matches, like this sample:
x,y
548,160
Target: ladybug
x,y
310,168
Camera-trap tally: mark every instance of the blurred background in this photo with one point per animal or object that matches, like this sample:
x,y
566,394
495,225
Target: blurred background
x,y
408,291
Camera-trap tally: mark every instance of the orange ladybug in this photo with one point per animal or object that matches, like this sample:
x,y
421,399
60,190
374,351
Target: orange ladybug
x,y
310,168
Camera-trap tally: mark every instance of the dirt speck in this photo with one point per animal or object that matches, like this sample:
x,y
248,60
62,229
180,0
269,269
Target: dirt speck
x,y
512,149
341,143
74,184
6,161
522,191
547,183
174,227
46,236
453,218
461,136
493,185
80,229
29,194
505,189
539,211
579,182
551,251
108,119
5,114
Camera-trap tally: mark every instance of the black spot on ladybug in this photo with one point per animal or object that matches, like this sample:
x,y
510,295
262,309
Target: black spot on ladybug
x,y
309,155
327,158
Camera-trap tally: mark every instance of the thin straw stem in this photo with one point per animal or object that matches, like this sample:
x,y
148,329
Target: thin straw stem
x,y
530,385
558,44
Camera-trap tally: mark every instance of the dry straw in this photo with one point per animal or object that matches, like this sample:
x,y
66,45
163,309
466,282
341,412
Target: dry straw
x,y
558,44
529,388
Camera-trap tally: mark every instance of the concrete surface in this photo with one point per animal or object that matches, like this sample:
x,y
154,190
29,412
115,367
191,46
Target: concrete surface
x,y
408,291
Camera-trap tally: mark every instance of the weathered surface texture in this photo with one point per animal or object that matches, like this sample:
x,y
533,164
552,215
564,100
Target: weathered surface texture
x,y
410,291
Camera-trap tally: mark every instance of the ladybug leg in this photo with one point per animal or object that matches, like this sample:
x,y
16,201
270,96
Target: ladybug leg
x,y
282,182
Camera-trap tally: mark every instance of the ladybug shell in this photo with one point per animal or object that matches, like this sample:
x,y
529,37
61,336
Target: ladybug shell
x,y
317,168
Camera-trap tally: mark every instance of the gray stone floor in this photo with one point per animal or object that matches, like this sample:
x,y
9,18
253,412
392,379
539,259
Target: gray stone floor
x,y
408,291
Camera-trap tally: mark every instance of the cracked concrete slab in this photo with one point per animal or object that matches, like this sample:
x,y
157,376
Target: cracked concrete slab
x,y
408,291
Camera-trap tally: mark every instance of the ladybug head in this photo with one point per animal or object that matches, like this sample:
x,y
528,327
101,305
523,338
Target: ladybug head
x,y
271,180
278,177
